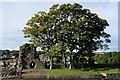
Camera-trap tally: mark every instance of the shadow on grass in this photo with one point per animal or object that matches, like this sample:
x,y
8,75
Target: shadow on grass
x,y
100,69
85,69
104,69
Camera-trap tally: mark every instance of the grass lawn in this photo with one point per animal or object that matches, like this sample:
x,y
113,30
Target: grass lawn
x,y
77,72
74,72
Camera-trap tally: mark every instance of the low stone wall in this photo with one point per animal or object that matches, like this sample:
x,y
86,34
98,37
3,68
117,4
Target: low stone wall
x,y
74,78
83,77
113,76
94,76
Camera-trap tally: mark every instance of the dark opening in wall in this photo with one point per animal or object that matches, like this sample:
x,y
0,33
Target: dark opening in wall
x,y
32,65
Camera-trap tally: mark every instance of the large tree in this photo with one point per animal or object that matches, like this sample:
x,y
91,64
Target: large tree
x,y
79,31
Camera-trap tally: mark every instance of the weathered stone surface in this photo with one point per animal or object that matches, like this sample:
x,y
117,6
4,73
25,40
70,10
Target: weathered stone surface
x,y
84,77
28,57
113,76
95,76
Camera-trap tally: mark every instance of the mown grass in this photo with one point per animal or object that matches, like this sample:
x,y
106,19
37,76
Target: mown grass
x,y
75,72
78,72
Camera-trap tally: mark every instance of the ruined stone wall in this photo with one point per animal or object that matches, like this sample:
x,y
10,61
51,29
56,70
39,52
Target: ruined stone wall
x,y
28,57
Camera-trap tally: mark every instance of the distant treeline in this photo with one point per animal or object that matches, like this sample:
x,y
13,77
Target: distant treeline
x,y
8,53
99,58
107,58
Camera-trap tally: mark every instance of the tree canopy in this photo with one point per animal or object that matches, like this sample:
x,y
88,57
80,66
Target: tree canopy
x,y
75,29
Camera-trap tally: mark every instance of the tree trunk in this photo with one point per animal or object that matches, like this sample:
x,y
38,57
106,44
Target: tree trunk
x,y
51,62
91,62
71,63
64,60
82,63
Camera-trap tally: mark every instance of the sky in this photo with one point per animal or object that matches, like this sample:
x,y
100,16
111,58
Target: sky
x,y
14,16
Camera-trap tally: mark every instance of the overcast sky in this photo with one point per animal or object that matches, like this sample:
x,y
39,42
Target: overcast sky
x,y
15,15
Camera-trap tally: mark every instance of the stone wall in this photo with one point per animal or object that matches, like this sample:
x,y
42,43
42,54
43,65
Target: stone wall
x,y
83,77
28,57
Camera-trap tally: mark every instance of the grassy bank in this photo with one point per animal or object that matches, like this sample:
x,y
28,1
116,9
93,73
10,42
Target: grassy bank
x,y
78,72
74,72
